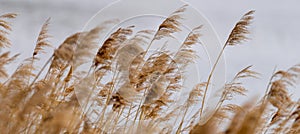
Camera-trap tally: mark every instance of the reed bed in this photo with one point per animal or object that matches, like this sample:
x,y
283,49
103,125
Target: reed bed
x,y
127,89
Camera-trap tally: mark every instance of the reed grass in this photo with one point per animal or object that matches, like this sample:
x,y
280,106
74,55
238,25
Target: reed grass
x,y
129,90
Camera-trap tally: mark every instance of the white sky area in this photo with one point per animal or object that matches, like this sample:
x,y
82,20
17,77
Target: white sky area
x,y
274,38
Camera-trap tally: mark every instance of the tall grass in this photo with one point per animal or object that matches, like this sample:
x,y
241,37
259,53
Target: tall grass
x,y
131,90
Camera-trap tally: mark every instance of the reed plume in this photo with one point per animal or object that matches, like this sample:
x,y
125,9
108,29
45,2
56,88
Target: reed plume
x,y
237,35
5,28
170,25
240,31
42,40
107,51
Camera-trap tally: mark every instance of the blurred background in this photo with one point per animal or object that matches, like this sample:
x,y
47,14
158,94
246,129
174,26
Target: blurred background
x,y
274,40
